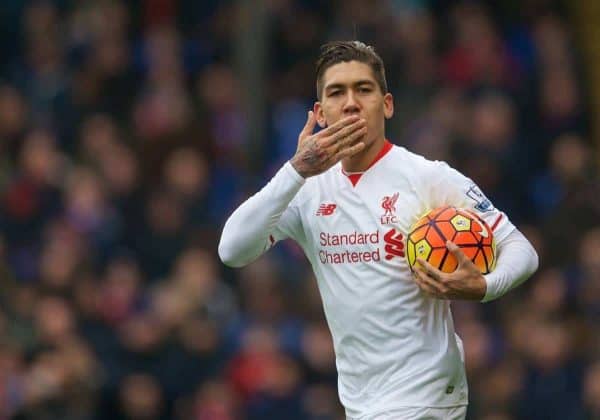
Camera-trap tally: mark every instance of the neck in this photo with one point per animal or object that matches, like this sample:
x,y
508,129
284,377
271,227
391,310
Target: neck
x,y
360,162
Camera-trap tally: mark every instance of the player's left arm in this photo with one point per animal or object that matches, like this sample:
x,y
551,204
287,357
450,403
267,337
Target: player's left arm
x,y
516,260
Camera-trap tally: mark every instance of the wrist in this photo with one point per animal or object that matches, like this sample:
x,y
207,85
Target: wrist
x,y
298,168
482,287
489,288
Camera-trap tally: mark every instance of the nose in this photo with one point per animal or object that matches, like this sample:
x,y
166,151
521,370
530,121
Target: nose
x,y
351,106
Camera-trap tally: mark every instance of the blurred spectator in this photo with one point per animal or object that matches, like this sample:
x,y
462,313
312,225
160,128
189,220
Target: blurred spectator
x,y
13,117
591,392
213,400
553,370
141,398
479,56
572,183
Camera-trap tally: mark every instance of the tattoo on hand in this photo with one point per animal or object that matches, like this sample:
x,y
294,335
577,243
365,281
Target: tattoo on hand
x,y
311,156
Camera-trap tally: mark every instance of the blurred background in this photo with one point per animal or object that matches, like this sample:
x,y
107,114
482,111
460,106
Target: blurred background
x,y
129,130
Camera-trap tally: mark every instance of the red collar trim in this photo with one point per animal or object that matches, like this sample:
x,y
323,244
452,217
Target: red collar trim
x,y
387,146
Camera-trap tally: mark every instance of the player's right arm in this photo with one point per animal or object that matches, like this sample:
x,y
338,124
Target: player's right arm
x,y
267,216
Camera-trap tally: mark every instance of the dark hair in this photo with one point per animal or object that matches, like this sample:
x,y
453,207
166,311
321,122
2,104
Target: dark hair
x,y
344,51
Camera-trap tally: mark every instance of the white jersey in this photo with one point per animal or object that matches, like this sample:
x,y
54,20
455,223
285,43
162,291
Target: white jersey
x,y
395,346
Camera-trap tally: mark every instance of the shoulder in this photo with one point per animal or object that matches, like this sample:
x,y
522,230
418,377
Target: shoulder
x,y
417,162
427,174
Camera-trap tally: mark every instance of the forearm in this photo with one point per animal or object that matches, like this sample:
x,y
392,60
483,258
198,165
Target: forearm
x,y
517,261
246,233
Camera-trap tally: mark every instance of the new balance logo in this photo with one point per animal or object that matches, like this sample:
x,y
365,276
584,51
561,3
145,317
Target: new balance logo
x,y
394,244
326,209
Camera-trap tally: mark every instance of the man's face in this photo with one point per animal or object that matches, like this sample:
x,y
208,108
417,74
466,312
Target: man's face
x,y
350,88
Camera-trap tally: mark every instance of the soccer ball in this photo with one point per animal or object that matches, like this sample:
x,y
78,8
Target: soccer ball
x,y
427,239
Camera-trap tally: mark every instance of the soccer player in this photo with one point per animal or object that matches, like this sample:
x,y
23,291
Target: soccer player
x,y
348,197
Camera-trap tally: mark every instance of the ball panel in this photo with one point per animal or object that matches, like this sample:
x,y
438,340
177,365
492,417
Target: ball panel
x,y
450,264
445,214
436,258
447,231
411,253
464,238
423,221
462,226
480,261
488,252
470,251
493,265
418,234
488,237
481,228
435,237
461,223
422,249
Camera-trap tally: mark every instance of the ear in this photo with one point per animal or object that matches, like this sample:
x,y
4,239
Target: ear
x,y
319,115
388,105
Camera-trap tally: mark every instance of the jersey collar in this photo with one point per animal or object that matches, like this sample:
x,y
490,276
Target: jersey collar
x,y
355,176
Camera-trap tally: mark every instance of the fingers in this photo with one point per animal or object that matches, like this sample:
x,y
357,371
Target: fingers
x,y
342,134
457,252
350,145
430,279
309,127
428,284
349,151
344,122
430,269
466,282
318,152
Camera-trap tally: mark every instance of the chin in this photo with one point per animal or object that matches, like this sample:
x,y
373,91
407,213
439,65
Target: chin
x,y
369,142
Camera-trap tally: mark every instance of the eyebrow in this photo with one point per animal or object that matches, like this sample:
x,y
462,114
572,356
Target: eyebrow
x,y
355,84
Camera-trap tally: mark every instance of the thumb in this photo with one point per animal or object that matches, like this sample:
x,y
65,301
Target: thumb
x,y
457,252
309,127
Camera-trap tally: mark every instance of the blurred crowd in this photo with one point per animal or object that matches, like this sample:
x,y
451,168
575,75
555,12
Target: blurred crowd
x,y
124,147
